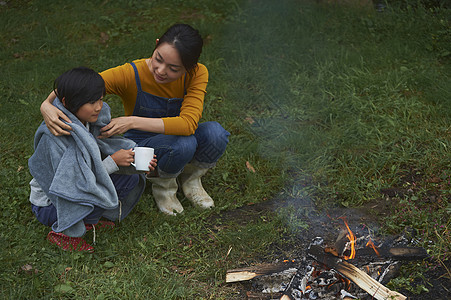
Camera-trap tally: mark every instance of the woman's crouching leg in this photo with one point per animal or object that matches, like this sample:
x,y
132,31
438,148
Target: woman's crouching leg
x,y
173,152
212,140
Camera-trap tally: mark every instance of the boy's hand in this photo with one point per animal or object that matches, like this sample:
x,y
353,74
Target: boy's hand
x,y
123,157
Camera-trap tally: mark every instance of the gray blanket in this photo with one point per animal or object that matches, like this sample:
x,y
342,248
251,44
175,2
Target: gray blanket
x,y
69,169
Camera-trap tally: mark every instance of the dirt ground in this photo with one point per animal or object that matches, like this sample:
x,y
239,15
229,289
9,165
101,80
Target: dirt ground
x,y
328,223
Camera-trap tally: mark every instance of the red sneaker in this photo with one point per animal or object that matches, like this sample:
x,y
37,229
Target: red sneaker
x,y
69,243
101,225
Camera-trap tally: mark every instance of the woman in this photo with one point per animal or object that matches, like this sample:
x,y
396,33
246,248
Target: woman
x,y
73,184
163,100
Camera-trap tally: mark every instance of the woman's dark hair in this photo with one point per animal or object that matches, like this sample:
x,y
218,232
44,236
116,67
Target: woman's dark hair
x,y
79,86
187,41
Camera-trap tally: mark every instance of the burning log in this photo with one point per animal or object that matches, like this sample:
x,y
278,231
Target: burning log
x,y
347,243
248,273
363,280
398,253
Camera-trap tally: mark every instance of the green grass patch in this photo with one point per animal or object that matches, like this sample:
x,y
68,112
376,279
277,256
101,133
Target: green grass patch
x,y
331,102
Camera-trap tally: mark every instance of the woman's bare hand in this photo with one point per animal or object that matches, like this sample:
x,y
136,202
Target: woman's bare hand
x,y
123,157
152,168
116,126
52,119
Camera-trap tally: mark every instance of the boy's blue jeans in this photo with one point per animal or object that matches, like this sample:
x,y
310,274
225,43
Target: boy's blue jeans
x,y
124,184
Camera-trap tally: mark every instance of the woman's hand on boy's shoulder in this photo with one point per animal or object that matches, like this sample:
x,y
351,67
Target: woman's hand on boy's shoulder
x,y
52,118
116,126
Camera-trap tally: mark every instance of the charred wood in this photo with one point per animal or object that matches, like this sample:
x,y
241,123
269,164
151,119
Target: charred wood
x,y
363,280
398,253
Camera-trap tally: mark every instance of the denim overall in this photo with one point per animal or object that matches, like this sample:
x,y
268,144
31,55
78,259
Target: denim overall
x,y
173,152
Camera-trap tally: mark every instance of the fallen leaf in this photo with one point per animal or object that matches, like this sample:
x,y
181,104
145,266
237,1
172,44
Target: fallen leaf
x,y
20,168
207,39
250,167
64,273
104,37
434,179
249,120
28,269
184,272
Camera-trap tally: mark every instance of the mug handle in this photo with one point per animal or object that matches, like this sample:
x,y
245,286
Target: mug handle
x,y
133,164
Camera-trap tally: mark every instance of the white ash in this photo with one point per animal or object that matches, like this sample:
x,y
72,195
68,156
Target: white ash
x,y
277,282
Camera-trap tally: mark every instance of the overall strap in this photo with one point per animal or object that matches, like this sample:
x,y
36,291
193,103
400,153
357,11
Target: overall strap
x,y
138,82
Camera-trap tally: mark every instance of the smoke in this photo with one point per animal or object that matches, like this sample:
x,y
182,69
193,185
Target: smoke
x,y
269,53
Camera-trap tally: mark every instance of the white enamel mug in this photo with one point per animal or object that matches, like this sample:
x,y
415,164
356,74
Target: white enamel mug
x,y
143,156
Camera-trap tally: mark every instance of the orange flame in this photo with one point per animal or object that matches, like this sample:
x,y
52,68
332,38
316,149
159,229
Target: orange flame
x,y
347,284
371,244
351,238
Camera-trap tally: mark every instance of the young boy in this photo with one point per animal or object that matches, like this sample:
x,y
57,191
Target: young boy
x,y
73,184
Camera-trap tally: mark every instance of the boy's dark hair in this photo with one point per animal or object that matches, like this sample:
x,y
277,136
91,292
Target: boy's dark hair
x,y
79,86
187,41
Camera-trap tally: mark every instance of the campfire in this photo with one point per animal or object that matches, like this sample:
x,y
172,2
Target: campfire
x,y
353,267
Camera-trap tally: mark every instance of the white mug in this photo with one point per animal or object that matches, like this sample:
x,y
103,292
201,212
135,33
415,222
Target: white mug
x,y
143,156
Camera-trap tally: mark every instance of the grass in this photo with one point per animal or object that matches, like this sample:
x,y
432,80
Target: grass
x,y
334,102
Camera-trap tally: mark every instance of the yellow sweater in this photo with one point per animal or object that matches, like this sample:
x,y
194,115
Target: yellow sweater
x,y
121,81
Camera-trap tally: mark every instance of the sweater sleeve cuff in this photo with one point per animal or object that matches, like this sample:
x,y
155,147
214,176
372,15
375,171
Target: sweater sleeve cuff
x,y
110,165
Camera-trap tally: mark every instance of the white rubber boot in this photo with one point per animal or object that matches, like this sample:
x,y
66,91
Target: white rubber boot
x,y
165,193
192,186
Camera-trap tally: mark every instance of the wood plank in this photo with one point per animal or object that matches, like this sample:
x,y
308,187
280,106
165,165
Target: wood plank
x,y
363,280
243,274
